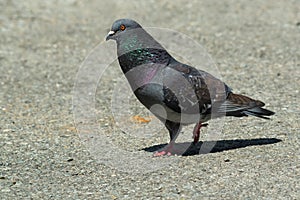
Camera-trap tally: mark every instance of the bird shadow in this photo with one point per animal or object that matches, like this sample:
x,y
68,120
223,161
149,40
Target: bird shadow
x,y
190,149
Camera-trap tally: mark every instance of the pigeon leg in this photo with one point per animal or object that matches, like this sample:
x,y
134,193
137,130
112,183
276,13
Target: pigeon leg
x,y
174,129
196,132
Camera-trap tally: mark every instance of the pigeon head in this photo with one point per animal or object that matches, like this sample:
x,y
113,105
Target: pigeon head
x,y
121,26
135,47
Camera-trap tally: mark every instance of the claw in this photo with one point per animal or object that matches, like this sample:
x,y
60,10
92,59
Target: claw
x,y
167,151
162,153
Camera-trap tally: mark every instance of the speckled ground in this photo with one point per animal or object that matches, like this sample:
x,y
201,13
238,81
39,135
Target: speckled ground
x,y
255,45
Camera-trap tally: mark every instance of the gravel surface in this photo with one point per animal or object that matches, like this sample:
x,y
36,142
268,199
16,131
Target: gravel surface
x,y
255,45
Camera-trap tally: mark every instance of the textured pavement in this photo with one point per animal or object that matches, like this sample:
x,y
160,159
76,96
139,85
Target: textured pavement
x,y
255,45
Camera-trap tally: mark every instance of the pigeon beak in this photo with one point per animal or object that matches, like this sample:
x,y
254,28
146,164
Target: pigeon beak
x,y
109,35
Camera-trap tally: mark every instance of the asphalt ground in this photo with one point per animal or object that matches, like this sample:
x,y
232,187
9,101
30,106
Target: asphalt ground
x,y
255,45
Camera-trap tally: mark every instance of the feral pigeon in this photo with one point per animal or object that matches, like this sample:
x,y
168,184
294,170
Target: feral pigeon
x,y
176,93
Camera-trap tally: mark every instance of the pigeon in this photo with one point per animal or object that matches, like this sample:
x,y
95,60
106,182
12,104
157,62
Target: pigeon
x,y
176,93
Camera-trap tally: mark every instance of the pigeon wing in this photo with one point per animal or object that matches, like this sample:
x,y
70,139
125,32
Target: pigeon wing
x,y
195,90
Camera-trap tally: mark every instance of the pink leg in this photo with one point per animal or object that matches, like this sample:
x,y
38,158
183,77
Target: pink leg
x,y
196,132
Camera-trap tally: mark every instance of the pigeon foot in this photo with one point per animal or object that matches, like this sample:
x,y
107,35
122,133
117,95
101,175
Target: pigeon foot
x,y
166,151
162,153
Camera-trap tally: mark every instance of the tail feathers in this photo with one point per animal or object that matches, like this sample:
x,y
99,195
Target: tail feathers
x,y
259,112
240,105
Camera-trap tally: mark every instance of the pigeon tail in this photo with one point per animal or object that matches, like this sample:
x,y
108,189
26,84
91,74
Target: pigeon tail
x,y
259,112
239,105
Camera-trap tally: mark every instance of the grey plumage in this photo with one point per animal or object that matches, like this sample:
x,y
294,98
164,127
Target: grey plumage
x,y
186,94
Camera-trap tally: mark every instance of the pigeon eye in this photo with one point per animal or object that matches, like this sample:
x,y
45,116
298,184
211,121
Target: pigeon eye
x,y
122,27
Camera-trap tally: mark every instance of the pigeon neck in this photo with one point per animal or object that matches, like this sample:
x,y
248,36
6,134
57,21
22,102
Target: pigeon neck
x,y
139,48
